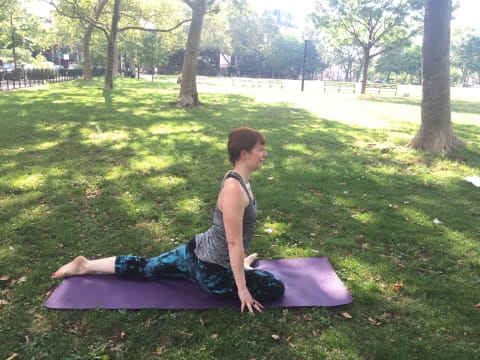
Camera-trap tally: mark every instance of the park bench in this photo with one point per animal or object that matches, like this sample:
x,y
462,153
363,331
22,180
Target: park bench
x,y
275,82
243,82
339,86
381,88
246,82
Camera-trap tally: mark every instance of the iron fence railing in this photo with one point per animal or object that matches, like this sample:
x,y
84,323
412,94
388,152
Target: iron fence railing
x,y
21,78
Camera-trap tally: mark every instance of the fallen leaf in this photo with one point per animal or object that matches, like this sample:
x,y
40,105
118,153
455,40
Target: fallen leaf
x,y
5,277
269,230
397,287
202,322
477,306
365,246
3,302
308,317
276,337
159,350
346,315
214,336
13,356
20,280
122,335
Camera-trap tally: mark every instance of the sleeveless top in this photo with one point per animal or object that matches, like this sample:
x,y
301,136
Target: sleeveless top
x,y
212,246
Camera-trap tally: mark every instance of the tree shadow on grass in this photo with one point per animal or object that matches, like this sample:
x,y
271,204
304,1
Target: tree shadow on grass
x,y
143,179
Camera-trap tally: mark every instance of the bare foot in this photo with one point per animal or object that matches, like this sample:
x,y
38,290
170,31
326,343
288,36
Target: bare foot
x,y
75,267
249,260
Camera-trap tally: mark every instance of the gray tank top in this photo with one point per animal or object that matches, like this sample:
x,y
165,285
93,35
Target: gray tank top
x,y
211,246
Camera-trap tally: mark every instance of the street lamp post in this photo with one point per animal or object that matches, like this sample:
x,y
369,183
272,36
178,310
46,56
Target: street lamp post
x,y
305,38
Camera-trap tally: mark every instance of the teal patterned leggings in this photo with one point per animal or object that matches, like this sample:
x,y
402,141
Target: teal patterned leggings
x,y
214,279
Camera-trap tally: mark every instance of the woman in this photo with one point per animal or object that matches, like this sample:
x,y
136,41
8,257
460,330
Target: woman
x,y
215,259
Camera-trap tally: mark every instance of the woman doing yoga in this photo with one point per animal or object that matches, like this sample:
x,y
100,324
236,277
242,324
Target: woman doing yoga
x,y
216,259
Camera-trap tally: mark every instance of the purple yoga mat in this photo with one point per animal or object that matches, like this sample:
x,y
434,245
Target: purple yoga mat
x,y
308,282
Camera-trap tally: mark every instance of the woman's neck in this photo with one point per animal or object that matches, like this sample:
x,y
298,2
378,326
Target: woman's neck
x,y
244,173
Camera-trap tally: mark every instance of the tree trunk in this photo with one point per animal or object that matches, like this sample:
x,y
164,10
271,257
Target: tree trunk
x,y
188,88
436,133
116,60
366,64
14,47
108,84
87,60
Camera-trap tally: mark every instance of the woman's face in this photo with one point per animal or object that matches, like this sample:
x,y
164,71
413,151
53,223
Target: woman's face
x,y
256,156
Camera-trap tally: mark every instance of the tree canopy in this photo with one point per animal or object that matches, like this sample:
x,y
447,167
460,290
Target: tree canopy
x,y
375,26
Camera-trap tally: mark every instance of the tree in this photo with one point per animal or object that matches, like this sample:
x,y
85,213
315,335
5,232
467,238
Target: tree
x,y
376,26
252,36
136,15
19,29
285,57
87,37
436,133
188,88
346,56
111,43
466,56
406,62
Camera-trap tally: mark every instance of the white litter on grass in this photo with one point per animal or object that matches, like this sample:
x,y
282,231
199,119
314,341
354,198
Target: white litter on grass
x,y
436,221
475,180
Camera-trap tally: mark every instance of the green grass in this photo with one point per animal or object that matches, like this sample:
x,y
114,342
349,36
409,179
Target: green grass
x,y
83,172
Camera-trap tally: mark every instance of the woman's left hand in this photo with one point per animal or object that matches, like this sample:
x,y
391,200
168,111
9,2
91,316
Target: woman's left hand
x,y
247,301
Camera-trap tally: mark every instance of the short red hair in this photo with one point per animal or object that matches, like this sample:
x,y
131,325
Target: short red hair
x,y
243,138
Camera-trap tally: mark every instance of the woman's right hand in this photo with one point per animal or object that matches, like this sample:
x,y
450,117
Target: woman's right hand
x,y
247,301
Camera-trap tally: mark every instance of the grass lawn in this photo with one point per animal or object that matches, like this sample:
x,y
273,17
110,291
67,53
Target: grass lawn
x,y
83,172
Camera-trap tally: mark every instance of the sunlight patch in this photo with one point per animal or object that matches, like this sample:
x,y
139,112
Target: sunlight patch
x,y
193,205
163,129
31,181
46,145
301,148
169,182
152,162
275,228
108,136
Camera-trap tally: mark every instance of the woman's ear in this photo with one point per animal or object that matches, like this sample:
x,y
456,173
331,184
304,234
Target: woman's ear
x,y
243,154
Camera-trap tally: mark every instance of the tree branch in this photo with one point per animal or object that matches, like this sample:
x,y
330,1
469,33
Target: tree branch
x,y
154,30
79,17
189,3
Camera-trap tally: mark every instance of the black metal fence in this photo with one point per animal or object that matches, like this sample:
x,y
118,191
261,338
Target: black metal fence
x,y
20,78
